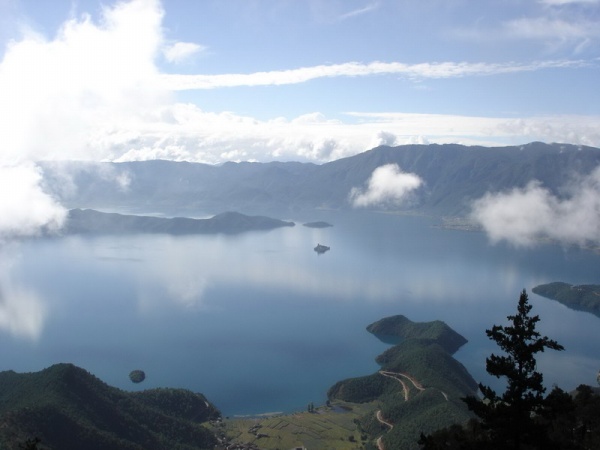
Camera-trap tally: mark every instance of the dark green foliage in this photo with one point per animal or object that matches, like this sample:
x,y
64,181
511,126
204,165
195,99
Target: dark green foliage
x,y
585,297
521,418
509,417
68,408
91,221
564,422
423,355
434,366
401,327
363,389
137,376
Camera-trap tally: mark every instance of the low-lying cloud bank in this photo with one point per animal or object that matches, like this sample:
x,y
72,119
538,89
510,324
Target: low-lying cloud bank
x,y
524,216
387,186
25,208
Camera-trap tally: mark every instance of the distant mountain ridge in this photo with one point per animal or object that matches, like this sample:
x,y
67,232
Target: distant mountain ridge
x,y
453,175
89,221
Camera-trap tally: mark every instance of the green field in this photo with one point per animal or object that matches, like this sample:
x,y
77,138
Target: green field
x,y
327,428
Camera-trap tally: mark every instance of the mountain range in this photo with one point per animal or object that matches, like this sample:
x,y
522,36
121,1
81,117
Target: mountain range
x,y
453,176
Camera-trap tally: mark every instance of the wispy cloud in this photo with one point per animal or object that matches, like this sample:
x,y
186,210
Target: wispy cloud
x,y
360,11
568,2
419,71
181,51
544,28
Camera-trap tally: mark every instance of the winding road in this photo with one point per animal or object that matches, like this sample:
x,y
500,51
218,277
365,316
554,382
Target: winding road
x,y
400,377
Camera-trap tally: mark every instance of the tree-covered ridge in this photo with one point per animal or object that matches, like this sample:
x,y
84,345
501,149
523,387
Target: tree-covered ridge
x,y
585,297
419,387
68,408
401,327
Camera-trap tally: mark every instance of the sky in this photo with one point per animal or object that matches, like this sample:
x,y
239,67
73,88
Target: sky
x,y
292,80
307,80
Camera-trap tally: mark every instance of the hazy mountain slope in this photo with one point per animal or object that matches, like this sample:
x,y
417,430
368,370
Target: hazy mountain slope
x,y
68,408
453,176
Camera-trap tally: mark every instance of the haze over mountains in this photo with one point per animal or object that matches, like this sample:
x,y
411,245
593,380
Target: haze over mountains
x,y
551,181
453,176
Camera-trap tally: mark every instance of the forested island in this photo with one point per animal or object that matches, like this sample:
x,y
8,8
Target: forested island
x,y
585,297
89,221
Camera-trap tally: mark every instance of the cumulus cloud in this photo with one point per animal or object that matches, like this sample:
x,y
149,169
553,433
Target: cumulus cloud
x,y
25,209
65,100
387,186
524,216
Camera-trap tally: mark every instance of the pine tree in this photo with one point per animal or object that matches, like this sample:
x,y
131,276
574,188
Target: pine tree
x,y
509,418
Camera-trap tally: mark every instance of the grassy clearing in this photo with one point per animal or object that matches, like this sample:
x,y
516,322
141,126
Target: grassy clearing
x,y
325,429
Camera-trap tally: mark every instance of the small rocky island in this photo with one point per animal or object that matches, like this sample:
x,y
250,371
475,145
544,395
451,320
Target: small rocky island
x,y
137,376
585,297
319,224
320,249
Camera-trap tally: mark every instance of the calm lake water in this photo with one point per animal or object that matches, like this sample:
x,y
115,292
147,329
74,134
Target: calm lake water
x,y
260,323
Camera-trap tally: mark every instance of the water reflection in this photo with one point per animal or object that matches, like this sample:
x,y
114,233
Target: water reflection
x,y
223,314
22,311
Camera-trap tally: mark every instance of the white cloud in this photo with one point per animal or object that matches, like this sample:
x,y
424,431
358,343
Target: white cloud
x,y
523,216
567,2
551,28
25,209
360,11
180,51
66,100
388,185
419,71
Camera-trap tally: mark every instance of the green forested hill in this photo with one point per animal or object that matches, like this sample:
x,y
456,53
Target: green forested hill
x,y
585,297
419,387
68,408
402,328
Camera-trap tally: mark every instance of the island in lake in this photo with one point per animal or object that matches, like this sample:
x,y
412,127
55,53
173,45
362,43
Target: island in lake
x,y
585,297
89,221
319,224
320,249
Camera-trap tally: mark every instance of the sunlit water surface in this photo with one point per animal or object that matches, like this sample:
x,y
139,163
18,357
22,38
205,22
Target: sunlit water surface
x,y
260,323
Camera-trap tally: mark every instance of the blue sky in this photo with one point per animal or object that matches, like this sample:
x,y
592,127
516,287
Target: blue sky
x,y
308,80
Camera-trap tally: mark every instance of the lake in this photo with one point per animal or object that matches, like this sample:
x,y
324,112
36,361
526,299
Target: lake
x,y
259,322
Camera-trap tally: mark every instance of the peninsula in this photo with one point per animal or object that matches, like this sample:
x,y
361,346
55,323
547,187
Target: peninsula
x,y
419,386
585,297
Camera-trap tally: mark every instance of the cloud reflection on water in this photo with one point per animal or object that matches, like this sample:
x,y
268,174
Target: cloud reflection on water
x,y
22,310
